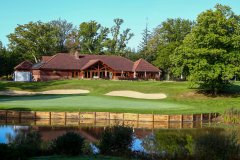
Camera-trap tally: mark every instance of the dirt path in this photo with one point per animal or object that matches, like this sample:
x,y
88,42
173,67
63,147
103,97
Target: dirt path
x,y
67,91
133,94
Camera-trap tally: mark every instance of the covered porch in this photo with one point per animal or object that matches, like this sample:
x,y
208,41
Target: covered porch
x,y
96,69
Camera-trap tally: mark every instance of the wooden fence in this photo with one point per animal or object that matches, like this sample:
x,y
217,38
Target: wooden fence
x,y
102,119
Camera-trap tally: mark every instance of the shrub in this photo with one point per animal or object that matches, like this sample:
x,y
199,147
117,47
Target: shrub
x,y
232,115
217,146
116,140
47,148
5,151
26,145
68,144
174,143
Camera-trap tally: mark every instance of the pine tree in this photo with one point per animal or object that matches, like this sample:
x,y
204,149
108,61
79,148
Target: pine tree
x,y
144,43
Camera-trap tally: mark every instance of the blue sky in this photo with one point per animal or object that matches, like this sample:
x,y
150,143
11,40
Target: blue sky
x,y
134,12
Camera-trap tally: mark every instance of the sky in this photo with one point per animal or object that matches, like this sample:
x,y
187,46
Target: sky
x,y
135,13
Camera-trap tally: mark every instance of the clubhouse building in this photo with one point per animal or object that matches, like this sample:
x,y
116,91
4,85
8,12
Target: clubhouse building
x,y
83,66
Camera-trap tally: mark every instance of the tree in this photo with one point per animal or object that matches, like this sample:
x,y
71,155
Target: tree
x,y
2,59
63,30
210,54
163,58
33,40
92,37
73,42
8,61
144,43
118,43
89,38
166,38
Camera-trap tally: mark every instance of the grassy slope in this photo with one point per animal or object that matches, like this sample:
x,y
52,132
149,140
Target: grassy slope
x,y
180,99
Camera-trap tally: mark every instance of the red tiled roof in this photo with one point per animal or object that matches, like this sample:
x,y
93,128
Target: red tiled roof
x,y
142,65
64,61
25,65
117,63
46,58
90,63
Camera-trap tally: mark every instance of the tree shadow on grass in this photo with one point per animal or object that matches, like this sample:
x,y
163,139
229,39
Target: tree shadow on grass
x,y
32,86
19,109
233,91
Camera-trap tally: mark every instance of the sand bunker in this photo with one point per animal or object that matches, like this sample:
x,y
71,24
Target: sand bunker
x,y
133,94
19,93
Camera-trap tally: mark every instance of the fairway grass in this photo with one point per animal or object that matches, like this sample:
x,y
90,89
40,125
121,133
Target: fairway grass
x,y
180,99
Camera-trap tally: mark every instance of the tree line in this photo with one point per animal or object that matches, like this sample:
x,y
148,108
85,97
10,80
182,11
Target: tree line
x,y
205,51
36,39
33,40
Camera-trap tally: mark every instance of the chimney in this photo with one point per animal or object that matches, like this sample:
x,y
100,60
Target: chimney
x,y
76,55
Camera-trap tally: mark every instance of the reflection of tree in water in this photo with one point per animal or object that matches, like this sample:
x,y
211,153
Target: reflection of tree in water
x,y
176,143
149,144
95,132
18,131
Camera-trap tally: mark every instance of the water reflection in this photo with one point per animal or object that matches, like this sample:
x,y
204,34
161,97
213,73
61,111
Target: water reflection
x,y
90,129
5,131
145,140
156,142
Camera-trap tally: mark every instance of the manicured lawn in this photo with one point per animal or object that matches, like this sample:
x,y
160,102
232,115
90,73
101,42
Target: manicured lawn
x,y
180,99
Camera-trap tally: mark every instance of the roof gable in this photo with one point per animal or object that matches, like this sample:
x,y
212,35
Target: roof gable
x,y
142,65
25,65
90,63
117,63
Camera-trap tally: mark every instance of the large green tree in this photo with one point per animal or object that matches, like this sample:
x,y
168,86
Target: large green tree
x,y
64,29
92,37
33,40
210,54
167,37
89,38
8,60
117,43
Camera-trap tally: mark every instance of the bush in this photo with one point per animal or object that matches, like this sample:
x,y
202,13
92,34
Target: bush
x,y
232,115
47,148
175,144
69,144
217,146
5,151
116,140
26,145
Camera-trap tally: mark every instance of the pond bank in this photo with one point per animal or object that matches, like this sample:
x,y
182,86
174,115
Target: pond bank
x,y
106,119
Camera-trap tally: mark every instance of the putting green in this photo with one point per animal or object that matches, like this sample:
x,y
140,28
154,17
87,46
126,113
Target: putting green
x,y
180,98
88,103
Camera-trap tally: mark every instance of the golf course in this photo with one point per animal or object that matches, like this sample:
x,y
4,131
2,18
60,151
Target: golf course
x,y
180,97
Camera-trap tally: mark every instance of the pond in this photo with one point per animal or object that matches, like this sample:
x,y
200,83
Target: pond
x,y
151,140
144,135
